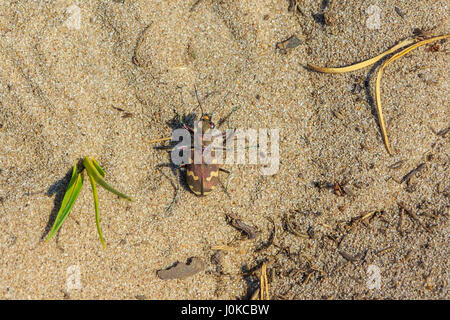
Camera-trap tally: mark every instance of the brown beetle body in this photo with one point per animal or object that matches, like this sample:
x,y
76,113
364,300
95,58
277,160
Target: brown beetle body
x,y
202,177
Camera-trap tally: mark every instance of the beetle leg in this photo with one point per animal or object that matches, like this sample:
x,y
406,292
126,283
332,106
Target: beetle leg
x,y
176,186
227,118
225,187
188,128
163,147
181,147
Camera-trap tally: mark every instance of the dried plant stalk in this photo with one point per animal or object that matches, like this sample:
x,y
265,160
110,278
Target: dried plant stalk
x,y
378,83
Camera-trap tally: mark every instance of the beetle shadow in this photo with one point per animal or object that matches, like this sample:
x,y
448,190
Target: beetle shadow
x,y
176,171
178,120
58,189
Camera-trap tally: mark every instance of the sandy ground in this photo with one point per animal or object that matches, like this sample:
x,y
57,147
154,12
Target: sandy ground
x,y
61,85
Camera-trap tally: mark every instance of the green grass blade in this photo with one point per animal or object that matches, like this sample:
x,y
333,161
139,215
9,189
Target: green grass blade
x,y
74,188
97,176
97,166
97,216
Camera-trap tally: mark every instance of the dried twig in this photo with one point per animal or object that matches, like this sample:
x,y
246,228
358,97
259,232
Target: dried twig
x,y
378,83
362,64
413,216
264,285
381,252
410,174
241,226
411,43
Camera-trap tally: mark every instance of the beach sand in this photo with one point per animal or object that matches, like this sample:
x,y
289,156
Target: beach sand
x,y
103,78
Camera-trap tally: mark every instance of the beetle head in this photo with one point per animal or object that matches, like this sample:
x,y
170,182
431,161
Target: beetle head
x,y
207,123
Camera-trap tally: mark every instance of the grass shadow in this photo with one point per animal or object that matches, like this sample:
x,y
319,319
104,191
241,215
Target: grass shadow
x,y
58,189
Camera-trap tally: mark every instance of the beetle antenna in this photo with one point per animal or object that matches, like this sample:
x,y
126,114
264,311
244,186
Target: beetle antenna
x,y
198,100
222,101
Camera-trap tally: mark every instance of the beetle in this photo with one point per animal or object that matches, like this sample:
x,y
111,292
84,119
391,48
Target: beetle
x,y
202,176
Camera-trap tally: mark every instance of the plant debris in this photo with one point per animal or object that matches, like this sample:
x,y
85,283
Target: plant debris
x,y
292,227
381,252
241,226
289,43
264,284
378,83
293,6
443,132
413,216
337,189
262,293
270,240
410,44
399,12
397,165
180,270
350,257
362,64
410,174
125,114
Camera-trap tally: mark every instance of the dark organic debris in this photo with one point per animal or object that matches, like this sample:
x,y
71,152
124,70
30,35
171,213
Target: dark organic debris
x,y
126,114
356,88
180,270
436,47
350,257
422,33
399,12
241,226
338,188
319,18
443,132
413,216
292,227
293,6
217,257
408,177
397,165
270,240
325,4
289,43
323,185
196,3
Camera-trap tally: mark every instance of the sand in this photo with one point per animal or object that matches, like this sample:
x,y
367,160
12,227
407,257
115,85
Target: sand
x,y
105,84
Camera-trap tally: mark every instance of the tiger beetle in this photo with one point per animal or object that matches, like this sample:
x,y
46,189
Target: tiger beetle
x,y
202,175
